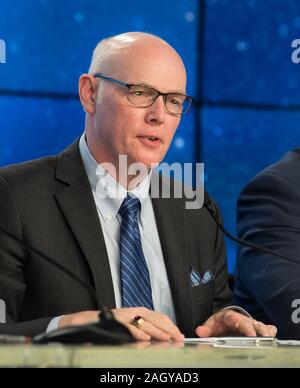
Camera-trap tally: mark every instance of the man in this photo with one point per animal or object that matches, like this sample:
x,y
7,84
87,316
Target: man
x,y
153,259
269,216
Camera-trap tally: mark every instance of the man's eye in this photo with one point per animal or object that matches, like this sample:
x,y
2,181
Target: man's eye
x,y
175,102
139,93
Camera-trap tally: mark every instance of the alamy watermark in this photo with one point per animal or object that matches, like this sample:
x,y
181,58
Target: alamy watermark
x,y
296,313
2,311
186,183
296,53
2,51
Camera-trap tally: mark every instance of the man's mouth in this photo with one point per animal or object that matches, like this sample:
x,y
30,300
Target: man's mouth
x,y
150,140
151,137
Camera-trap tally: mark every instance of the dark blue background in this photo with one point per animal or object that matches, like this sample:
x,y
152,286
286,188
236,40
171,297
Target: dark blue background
x,y
238,58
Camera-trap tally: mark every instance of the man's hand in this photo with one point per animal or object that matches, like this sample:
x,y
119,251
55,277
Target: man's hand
x,y
230,322
155,325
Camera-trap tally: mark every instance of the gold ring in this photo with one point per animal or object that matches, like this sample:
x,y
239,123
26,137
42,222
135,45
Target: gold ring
x,y
137,321
255,323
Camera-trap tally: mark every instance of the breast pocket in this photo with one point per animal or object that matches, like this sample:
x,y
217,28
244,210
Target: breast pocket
x,y
203,292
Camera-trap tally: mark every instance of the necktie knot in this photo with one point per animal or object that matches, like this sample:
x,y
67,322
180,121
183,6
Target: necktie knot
x,y
130,206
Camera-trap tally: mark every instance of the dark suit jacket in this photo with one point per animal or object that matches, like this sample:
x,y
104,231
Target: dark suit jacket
x,y
49,204
269,215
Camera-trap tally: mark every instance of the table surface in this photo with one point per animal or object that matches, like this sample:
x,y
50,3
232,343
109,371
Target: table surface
x,y
147,355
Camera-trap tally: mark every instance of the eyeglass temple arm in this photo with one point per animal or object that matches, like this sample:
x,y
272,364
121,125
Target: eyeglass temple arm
x,y
98,75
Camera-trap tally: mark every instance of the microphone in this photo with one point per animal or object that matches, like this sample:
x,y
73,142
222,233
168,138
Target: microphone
x,y
105,331
212,211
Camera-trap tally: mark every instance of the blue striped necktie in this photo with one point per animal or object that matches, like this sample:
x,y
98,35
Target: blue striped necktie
x,y
135,279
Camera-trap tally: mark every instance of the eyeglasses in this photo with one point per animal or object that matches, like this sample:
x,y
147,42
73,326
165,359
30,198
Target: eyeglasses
x,y
143,96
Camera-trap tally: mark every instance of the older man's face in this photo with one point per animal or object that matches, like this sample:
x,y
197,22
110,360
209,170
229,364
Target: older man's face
x,y
124,129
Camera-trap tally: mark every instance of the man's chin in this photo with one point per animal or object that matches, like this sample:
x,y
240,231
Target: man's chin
x,y
149,164
146,161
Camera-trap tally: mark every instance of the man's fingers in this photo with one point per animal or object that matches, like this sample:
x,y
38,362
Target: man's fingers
x,y
154,332
229,322
245,327
147,331
203,331
264,330
156,325
138,334
165,325
253,328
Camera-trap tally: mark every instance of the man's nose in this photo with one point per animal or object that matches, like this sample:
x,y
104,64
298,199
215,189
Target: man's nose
x,y
156,113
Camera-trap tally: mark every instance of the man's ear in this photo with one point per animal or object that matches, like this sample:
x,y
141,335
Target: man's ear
x,y
87,92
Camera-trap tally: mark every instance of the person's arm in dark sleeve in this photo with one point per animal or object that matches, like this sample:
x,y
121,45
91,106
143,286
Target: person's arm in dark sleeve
x,y
269,215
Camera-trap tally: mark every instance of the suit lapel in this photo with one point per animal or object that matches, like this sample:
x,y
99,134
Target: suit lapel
x,y
171,226
76,202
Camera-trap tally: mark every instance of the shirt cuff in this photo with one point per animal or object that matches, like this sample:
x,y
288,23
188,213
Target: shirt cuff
x,y
54,323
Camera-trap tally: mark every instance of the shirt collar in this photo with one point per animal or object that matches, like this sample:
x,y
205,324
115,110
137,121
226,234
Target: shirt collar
x,y
109,194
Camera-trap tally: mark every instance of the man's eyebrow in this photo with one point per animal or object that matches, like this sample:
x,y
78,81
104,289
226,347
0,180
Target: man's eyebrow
x,y
152,87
